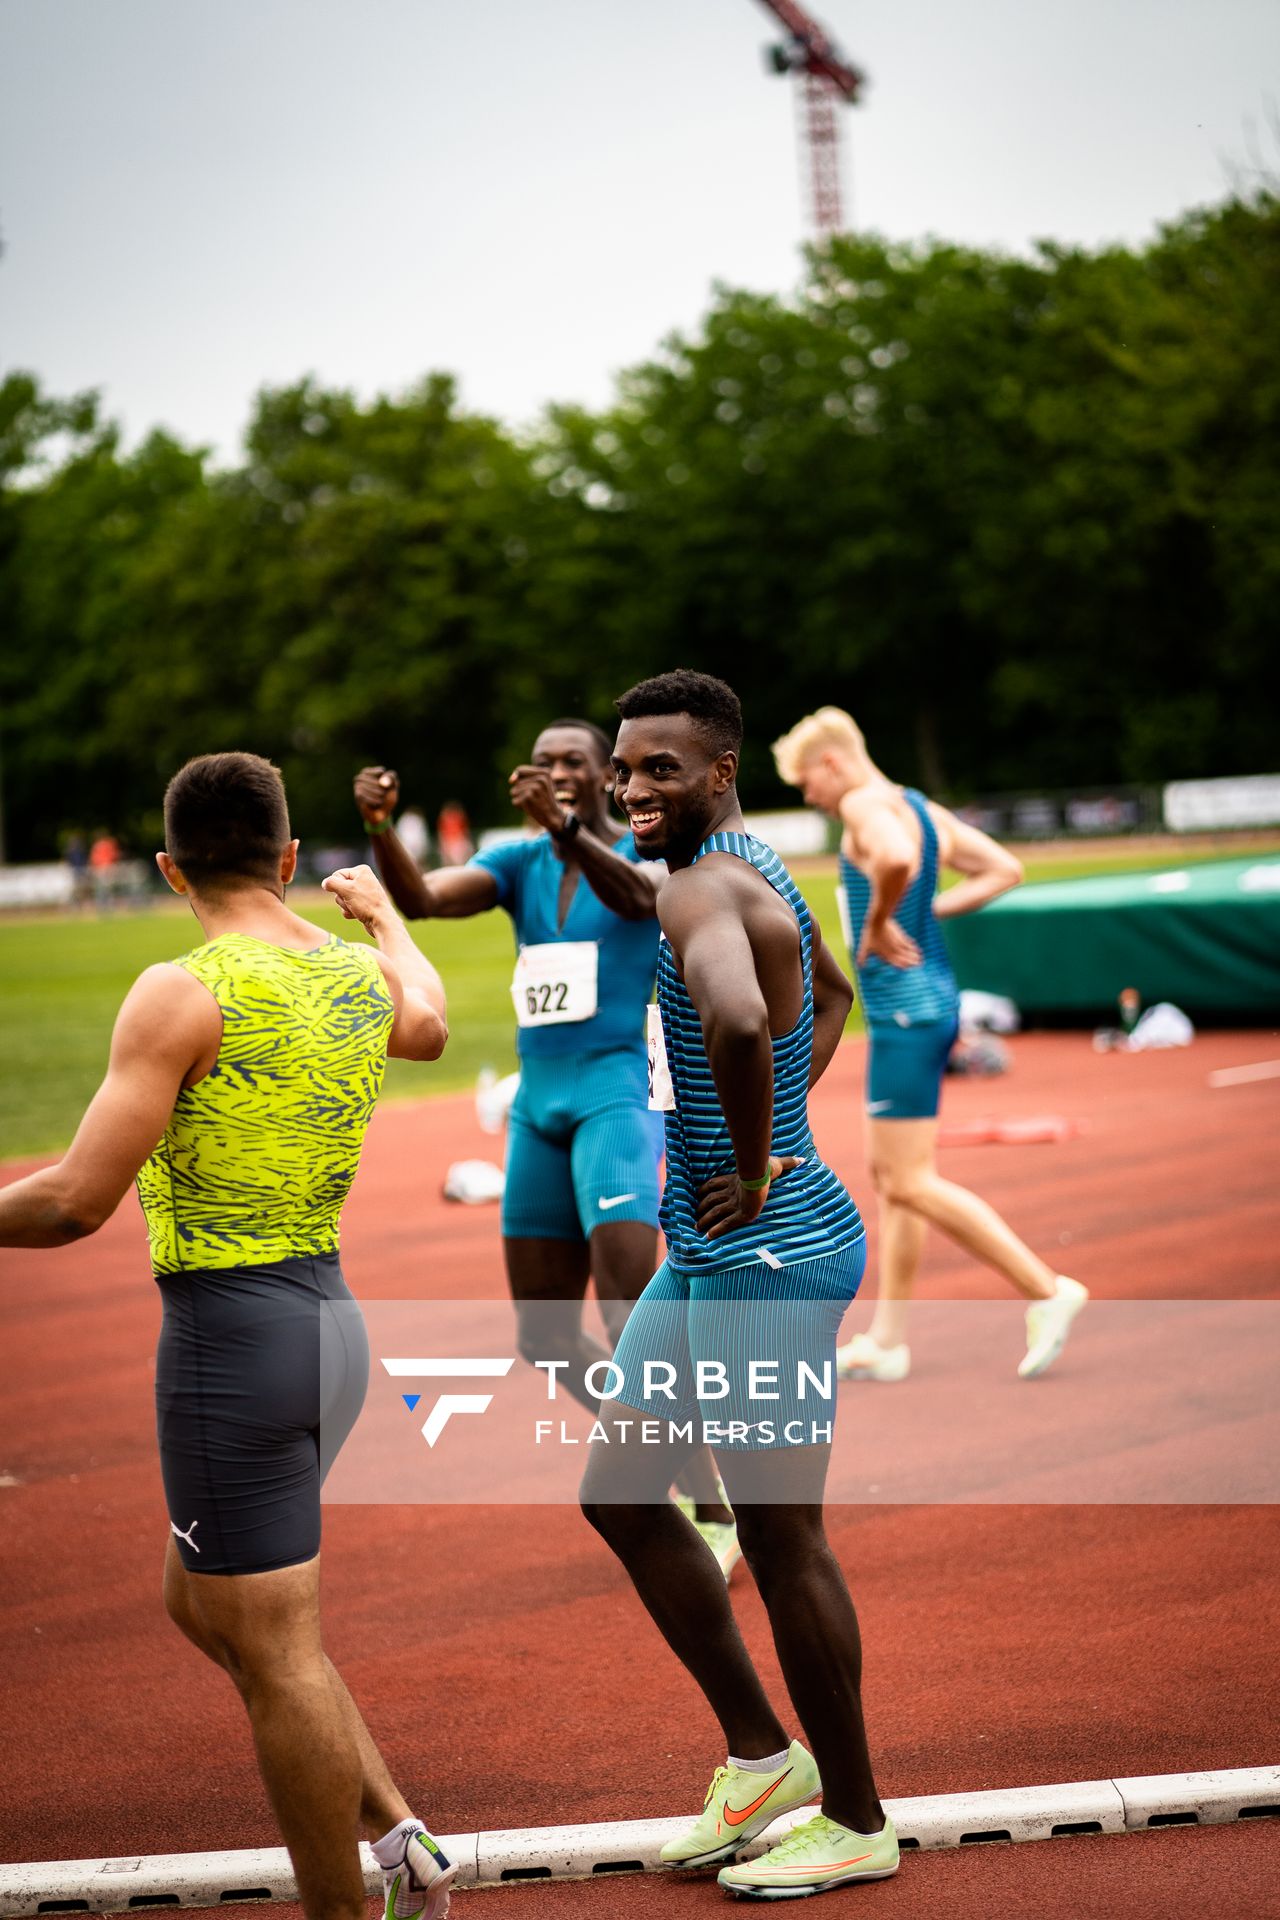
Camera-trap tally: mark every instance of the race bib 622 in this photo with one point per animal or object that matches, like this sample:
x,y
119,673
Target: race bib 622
x,y
556,983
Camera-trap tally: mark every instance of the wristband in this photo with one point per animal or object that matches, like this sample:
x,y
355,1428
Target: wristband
x,y
377,826
569,828
757,1186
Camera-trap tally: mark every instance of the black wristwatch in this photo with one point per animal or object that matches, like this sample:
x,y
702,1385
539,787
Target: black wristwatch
x,y
569,828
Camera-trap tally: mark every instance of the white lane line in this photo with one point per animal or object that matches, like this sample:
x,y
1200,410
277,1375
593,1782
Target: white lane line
x,y
576,1853
1240,1076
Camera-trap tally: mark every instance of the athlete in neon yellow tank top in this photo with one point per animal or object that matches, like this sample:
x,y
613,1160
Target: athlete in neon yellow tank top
x,y
258,1156
254,1062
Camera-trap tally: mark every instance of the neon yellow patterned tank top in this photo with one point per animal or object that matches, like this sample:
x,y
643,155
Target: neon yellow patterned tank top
x,y
258,1156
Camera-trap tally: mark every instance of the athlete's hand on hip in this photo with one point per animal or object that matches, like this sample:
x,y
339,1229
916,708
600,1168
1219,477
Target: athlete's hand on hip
x,y
360,894
533,792
377,794
724,1204
890,943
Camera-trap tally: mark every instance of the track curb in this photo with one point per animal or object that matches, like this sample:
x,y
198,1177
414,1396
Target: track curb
x,y
503,1856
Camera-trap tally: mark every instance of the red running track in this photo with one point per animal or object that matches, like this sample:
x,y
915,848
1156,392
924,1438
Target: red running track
x,y
499,1654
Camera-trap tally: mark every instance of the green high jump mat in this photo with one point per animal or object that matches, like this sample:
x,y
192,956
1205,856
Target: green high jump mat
x,y
1206,937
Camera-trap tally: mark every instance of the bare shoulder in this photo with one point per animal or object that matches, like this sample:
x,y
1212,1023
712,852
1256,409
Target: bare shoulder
x,y
165,988
738,893
945,824
878,823
683,897
708,891
859,804
167,1009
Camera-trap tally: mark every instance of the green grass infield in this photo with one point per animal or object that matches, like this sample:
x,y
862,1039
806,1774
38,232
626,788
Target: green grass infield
x,y
63,977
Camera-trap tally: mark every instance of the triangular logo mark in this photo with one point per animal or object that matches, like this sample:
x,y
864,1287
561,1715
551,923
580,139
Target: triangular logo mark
x,y
411,1400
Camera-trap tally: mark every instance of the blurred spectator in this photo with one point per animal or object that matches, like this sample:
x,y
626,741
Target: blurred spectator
x,y
414,838
76,854
104,863
453,835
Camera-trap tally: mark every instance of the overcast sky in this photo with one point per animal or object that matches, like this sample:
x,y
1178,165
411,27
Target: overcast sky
x,y
201,196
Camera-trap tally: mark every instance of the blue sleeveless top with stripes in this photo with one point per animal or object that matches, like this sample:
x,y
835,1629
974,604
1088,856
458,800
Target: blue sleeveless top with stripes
x,y
904,996
808,1215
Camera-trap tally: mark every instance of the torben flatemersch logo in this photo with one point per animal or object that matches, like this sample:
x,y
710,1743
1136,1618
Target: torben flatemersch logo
x,y
448,1403
605,1381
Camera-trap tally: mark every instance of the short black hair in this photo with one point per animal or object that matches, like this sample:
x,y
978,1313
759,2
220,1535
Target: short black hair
x,y
603,744
712,704
226,819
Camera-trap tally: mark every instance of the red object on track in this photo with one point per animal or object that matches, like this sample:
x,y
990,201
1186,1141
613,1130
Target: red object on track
x,y
1007,1133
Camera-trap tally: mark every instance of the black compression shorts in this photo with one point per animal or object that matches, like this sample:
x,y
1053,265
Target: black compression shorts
x,y
251,1360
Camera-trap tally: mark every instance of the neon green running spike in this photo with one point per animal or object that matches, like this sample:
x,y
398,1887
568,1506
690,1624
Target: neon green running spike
x,y
720,1535
741,1804
722,1538
815,1856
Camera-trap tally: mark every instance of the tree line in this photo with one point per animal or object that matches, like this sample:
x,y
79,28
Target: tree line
x,y
1019,515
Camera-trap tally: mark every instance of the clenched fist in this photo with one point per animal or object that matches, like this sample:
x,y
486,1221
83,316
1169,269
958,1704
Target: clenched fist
x,y
359,892
377,791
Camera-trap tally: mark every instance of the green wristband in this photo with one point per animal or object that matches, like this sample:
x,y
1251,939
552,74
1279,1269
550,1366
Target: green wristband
x,y
377,826
756,1186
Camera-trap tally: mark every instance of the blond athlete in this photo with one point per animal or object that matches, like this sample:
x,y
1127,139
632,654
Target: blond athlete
x,y
893,845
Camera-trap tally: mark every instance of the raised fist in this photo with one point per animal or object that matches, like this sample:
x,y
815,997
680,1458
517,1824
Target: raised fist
x,y
377,791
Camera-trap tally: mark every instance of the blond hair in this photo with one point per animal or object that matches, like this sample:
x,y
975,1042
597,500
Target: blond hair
x,y
828,727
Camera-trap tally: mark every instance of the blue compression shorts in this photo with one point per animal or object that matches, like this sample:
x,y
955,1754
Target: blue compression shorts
x,y
755,1324
905,1066
583,1148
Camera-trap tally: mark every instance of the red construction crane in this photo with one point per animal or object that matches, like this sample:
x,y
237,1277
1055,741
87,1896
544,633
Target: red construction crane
x,y
827,81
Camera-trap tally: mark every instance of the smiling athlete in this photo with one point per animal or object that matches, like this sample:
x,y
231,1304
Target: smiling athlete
x,y
765,1253
580,1199
241,1081
894,843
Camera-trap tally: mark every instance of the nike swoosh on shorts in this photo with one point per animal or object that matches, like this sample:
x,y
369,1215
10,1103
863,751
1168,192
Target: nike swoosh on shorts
x,y
618,1200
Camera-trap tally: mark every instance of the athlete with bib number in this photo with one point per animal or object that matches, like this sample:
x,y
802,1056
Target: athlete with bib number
x,y
893,844
580,1198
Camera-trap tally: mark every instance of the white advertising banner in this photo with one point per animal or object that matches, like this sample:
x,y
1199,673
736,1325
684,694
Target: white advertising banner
x,y
1198,806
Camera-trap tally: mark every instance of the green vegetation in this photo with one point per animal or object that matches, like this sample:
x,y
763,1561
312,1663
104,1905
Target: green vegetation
x,y
61,981
1017,514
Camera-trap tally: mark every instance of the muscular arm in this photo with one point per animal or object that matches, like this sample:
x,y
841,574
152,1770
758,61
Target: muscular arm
x,y
988,868
168,1026
884,850
710,941
420,1029
832,999
627,889
454,894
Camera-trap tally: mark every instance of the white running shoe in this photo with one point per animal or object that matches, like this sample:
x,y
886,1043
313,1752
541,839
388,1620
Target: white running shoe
x,y
865,1359
417,1887
1048,1324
